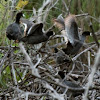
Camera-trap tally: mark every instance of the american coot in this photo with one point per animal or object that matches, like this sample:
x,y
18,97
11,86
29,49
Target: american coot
x,y
61,57
75,40
73,50
36,35
14,31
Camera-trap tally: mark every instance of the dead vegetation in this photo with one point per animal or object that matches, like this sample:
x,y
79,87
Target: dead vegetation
x,y
30,72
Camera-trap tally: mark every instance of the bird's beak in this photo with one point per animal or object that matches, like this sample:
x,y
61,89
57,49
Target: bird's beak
x,y
23,15
91,34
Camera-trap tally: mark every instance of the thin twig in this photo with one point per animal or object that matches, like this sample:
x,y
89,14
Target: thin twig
x,y
34,70
94,36
91,76
74,58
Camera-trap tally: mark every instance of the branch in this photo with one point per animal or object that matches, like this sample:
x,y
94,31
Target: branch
x,y
34,70
90,78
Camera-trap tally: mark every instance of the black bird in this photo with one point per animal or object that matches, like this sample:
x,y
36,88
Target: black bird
x,y
61,57
74,88
14,31
75,40
36,35
73,50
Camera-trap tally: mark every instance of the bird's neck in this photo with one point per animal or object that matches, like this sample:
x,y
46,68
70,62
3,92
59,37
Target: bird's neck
x,y
17,19
83,37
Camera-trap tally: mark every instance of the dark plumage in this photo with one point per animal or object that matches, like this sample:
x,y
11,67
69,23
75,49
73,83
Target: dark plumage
x,y
75,41
73,50
36,35
74,88
14,31
61,57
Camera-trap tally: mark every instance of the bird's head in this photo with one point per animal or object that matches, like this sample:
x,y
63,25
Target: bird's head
x,y
49,33
61,74
86,33
18,16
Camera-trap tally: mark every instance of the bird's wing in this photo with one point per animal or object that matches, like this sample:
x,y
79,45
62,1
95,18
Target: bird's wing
x,y
71,29
59,22
36,29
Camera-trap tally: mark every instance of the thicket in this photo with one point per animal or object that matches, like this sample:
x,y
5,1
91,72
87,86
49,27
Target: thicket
x,y
30,72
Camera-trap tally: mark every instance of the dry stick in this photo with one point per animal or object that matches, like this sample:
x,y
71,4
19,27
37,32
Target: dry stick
x,y
29,93
34,70
26,64
7,64
89,61
90,78
67,9
13,70
7,47
40,10
48,9
4,59
60,9
79,15
69,5
94,36
94,18
74,58
53,92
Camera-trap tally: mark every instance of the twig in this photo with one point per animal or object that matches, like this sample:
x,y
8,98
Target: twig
x,y
79,15
7,47
13,70
74,58
94,18
67,9
53,92
34,70
94,36
3,59
29,93
90,78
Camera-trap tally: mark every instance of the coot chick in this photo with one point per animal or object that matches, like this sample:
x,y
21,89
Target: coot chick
x,y
61,57
14,31
74,88
36,35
